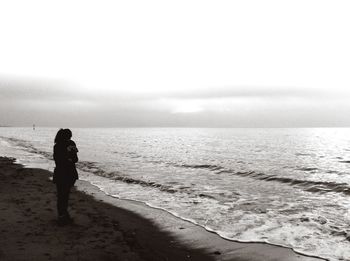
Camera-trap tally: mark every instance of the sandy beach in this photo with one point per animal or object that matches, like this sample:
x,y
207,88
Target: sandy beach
x,y
105,228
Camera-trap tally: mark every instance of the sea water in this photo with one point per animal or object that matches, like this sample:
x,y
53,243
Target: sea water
x,y
288,187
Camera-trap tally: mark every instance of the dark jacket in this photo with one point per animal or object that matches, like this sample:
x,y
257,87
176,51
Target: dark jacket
x,y
65,156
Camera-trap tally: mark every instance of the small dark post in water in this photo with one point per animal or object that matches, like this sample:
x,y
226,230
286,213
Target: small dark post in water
x,y
33,126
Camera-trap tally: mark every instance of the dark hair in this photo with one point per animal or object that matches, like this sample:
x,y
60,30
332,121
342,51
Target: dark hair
x,y
67,134
63,135
59,136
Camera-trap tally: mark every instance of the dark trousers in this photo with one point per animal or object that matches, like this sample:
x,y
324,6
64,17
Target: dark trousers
x,y
63,190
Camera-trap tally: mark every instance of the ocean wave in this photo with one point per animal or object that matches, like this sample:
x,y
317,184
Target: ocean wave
x,y
170,187
199,166
307,169
93,167
344,161
305,154
27,146
135,155
307,185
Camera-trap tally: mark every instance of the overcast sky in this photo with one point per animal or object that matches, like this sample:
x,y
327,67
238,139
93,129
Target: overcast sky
x,y
175,63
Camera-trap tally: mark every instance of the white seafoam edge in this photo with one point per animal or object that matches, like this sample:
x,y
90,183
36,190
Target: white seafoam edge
x,y
222,234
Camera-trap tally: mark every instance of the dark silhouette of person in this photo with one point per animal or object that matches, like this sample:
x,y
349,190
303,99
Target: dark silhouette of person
x,y
65,173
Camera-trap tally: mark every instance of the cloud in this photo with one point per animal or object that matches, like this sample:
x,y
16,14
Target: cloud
x,y
263,92
58,103
38,90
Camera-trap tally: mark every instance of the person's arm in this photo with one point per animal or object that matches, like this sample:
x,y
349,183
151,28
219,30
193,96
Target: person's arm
x,y
73,151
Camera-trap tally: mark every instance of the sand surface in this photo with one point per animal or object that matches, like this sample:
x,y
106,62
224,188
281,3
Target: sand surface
x,y
105,228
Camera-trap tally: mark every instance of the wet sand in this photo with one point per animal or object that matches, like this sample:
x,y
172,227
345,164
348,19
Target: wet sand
x,y
105,228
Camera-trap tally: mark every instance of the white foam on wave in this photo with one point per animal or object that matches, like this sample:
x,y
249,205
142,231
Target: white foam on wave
x,y
103,184
222,234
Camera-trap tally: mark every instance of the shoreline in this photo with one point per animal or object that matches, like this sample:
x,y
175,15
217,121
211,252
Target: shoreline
x,y
209,230
143,232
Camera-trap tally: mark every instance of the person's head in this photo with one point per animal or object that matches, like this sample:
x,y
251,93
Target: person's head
x,y
67,134
63,135
59,136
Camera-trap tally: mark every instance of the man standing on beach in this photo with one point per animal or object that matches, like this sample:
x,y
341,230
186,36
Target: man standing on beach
x,y
65,173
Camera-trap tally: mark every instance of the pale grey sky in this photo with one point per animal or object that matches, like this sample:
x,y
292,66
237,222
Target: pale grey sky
x,y
175,63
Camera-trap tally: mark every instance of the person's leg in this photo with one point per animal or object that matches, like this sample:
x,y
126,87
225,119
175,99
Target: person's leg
x,y
60,199
63,191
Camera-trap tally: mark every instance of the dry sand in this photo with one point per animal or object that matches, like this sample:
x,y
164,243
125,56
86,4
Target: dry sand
x,y
105,228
